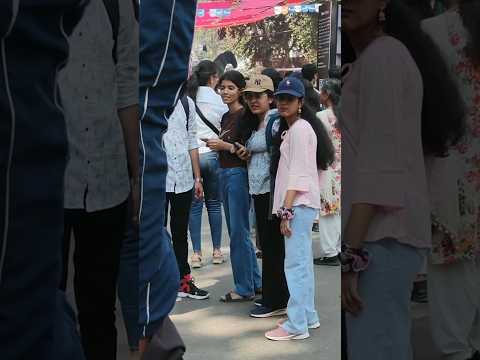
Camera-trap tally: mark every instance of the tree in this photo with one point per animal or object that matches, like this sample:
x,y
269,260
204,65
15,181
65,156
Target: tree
x,y
273,40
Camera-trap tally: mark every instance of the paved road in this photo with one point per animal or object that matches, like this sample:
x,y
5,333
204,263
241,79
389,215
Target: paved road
x,y
214,330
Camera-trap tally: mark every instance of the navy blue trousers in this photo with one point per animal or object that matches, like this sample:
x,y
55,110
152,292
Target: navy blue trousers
x,y
166,35
35,320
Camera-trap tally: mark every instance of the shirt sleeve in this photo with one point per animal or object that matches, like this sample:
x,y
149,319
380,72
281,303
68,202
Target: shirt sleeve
x,y
192,127
379,170
301,144
127,56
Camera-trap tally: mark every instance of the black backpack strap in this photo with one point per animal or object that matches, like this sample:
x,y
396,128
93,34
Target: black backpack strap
x,y
113,11
186,107
205,120
136,8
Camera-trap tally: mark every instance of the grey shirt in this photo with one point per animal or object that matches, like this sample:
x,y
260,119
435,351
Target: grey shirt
x,y
93,88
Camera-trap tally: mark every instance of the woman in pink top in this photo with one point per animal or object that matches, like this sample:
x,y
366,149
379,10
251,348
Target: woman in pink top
x,y
305,150
398,105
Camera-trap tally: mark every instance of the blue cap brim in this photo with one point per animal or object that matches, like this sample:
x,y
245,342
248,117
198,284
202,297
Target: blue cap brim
x,y
290,92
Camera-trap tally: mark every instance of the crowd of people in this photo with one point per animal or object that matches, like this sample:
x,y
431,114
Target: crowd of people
x,y
108,134
226,144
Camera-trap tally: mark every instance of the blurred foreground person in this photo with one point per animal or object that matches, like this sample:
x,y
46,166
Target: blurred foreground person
x,y
453,266
390,121
35,321
166,35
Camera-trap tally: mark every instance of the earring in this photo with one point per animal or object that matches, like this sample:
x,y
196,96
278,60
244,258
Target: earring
x,y
381,16
299,110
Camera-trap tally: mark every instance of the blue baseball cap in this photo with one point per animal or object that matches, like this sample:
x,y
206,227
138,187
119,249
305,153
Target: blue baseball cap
x,y
291,86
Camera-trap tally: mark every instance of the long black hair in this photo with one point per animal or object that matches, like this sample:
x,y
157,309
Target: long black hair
x,y
244,127
325,150
201,74
470,14
443,110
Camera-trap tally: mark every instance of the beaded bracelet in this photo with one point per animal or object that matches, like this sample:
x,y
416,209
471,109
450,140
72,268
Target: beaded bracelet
x,y
354,260
285,214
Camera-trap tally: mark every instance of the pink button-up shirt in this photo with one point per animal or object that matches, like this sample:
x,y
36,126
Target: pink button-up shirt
x,y
297,168
382,156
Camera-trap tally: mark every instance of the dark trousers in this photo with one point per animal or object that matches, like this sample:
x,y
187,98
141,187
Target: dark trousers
x,y
274,285
180,205
98,240
35,320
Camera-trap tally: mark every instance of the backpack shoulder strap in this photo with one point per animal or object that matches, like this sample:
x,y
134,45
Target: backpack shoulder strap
x,y
206,121
136,9
186,107
269,130
113,11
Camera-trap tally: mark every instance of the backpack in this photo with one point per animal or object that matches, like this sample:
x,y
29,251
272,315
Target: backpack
x,y
269,129
186,107
113,12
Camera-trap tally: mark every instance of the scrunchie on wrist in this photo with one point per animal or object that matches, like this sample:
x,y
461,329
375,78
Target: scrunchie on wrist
x,y
285,214
354,260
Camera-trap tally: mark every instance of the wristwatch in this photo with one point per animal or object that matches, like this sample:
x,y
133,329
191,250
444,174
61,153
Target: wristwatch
x,y
198,180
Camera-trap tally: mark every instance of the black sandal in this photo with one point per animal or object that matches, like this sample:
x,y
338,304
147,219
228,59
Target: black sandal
x,y
227,298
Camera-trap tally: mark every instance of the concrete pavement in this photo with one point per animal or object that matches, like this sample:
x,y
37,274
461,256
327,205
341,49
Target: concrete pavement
x,y
213,330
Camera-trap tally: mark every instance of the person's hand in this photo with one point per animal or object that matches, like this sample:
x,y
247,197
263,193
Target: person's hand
x,y
216,144
135,200
198,190
351,301
285,228
242,152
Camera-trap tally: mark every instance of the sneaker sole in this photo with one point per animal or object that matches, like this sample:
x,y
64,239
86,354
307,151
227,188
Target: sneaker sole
x,y
195,297
291,337
196,266
270,314
311,327
218,262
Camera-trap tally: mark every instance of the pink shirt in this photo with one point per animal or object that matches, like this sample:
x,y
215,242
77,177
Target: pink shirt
x,y
382,156
297,168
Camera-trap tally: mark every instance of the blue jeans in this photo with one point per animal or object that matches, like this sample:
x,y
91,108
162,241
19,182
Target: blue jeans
x,y
236,204
211,188
36,320
382,330
166,35
299,272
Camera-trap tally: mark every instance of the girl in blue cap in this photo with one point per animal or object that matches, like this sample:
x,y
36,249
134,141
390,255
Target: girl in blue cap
x,y
305,151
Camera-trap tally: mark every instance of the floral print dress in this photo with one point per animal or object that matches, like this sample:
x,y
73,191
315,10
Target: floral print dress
x,y
330,192
459,240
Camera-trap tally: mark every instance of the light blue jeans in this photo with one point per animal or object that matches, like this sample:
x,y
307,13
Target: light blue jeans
x,y
213,202
382,329
299,272
236,204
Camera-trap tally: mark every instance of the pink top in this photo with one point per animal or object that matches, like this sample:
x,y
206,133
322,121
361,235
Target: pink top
x,y
297,168
382,156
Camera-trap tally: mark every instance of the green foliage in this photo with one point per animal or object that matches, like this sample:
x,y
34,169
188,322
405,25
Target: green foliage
x,y
273,39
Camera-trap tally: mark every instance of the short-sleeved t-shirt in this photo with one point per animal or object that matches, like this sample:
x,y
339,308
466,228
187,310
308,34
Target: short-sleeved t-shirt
x,y
231,134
